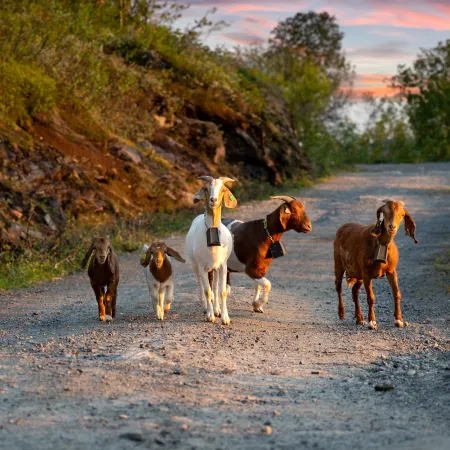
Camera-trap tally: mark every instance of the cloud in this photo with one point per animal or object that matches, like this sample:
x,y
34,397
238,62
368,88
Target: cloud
x,y
384,50
248,7
403,18
243,38
256,20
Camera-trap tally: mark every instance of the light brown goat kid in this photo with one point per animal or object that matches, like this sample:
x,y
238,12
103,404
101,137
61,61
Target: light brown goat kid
x,y
355,250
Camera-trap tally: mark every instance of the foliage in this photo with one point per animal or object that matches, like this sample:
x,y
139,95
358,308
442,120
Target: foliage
x,y
426,86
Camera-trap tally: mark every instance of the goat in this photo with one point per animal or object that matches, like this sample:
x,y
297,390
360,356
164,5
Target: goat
x,y
158,273
103,271
355,253
205,259
252,240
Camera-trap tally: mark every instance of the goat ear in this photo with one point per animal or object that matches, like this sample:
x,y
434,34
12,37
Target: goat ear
x,y
229,199
410,227
376,230
111,261
145,260
175,254
285,214
200,196
87,255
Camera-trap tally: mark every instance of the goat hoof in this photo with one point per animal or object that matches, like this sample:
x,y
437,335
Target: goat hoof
x,y
398,323
361,322
218,314
167,307
372,325
258,310
210,318
108,318
102,318
226,320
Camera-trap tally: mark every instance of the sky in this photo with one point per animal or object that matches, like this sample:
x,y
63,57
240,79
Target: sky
x,y
379,34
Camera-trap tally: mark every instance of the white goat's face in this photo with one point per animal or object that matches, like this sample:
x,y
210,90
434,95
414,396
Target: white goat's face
x,y
215,193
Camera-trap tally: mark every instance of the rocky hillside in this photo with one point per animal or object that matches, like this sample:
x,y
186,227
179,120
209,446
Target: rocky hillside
x,y
106,115
60,167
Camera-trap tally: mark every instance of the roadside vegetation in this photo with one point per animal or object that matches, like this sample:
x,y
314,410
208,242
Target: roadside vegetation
x,y
117,79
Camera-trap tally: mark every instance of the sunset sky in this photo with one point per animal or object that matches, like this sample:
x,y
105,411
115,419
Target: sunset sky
x,y
379,34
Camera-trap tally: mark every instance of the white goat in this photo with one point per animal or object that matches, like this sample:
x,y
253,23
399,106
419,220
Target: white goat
x,y
159,275
205,259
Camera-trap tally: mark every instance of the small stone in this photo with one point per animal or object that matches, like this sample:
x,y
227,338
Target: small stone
x,y
227,371
276,372
315,372
123,416
185,427
267,429
137,437
276,413
384,387
411,372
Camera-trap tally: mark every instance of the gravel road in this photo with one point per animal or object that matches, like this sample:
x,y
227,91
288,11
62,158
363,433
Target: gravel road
x,y
295,377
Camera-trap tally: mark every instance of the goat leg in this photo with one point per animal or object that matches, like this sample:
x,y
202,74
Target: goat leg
x,y
393,281
217,310
355,294
99,295
264,285
338,275
223,274
370,302
169,297
110,294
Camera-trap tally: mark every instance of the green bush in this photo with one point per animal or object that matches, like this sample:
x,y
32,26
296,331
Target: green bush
x,y
25,91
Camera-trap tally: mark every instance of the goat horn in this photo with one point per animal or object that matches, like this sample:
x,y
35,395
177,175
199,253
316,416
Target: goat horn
x,y
226,180
284,198
206,179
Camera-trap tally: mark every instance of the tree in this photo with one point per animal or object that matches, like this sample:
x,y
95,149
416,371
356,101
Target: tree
x,y
313,37
426,87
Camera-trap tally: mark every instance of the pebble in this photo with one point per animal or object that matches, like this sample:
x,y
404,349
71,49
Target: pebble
x,y
267,429
123,416
185,427
411,372
137,437
384,387
276,413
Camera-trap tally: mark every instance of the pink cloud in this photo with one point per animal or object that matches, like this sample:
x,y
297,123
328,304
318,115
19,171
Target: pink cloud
x,y
394,16
254,8
257,20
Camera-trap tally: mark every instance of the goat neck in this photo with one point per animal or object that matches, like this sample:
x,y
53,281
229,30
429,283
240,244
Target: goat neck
x,y
274,225
163,273
213,216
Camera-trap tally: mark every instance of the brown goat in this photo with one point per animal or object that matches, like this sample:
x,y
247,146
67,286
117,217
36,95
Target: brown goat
x,y
252,240
355,251
103,271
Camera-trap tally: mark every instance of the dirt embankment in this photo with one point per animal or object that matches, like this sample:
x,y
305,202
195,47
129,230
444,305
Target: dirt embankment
x,y
67,166
295,377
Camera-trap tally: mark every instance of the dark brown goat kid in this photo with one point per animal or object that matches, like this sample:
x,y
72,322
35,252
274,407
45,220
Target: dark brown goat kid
x,y
103,271
252,240
360,252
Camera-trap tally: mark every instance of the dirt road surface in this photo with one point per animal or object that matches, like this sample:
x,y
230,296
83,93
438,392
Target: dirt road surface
x,y
295,377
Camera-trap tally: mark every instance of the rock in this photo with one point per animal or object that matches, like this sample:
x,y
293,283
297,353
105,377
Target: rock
x,y
276,413
129,154
184,427
384,387
315,372
267,429
411,372
123,416
16,214
137,437
227,371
